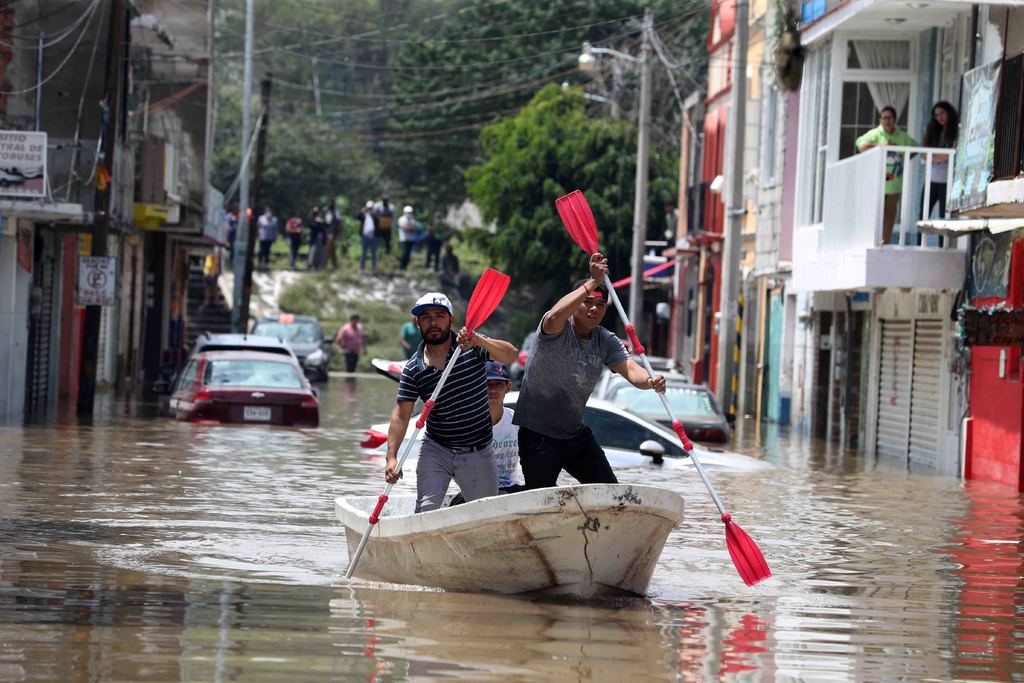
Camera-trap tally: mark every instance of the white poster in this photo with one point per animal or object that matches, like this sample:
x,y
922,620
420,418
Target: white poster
x,y
22,163
96,280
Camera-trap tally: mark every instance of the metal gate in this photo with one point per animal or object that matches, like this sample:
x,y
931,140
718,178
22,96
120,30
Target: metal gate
x,y
37,377
925,392
894,388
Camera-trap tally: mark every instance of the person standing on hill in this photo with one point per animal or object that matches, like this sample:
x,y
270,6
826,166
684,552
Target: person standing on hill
x,y
293,231
317,233
561,371
368,235
408,232
385,212
332,225
352,341
266,228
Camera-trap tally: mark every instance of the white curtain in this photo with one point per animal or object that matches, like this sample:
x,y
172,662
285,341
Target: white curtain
x,y
885,55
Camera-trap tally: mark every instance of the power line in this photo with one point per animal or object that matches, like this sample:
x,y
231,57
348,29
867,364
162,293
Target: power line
x,y
62,34
60,66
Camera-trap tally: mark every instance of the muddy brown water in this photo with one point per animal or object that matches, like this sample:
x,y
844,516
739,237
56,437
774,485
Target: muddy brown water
x,y
140,549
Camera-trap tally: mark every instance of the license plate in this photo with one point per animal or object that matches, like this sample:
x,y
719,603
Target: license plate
x,y
256,414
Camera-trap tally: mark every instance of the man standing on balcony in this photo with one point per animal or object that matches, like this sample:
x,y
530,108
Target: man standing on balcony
x,y
888,134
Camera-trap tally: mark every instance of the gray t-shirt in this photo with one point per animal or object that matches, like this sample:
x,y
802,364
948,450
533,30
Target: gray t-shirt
x,y
561,371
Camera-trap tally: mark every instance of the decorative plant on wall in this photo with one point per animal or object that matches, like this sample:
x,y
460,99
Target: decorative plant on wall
x,y
789,54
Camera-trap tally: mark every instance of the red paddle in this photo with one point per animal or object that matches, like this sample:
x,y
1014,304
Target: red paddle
x,y
485,299
746,556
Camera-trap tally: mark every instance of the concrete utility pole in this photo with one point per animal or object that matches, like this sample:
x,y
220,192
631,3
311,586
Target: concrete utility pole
x,y
243,253
734,210
250,246
636,288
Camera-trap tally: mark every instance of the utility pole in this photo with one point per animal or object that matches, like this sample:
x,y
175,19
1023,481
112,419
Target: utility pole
x,y
636,288
243,238
117,48
734,211
261,144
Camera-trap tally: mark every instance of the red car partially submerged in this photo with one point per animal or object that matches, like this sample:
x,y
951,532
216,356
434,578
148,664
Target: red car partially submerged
x,y
244,387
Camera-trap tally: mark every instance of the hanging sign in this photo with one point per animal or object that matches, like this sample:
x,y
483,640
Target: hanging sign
x,y
993,327
22,163
96,280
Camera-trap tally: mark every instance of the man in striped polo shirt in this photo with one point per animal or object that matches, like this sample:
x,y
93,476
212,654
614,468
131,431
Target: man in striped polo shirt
x,y
458,437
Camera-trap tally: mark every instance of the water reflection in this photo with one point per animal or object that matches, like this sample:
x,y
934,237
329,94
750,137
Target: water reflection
x,y
135,548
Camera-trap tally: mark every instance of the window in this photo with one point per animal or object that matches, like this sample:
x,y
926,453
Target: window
x,y
251,373
768,146
859,115
188,375
616,431
298,332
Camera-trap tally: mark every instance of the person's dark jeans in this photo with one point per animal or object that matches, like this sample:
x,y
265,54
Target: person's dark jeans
x,y
384,239
543,457
403,262
351,358
433,253
369,245
294,242
936,196
264,256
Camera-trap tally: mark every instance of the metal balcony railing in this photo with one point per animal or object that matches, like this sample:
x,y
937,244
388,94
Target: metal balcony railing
x,y
854,199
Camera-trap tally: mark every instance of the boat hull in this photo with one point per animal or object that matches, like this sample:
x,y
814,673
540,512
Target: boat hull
x,y
580,540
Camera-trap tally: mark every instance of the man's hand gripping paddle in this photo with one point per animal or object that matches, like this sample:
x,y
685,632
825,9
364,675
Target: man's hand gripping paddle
x,y
485,299
750,563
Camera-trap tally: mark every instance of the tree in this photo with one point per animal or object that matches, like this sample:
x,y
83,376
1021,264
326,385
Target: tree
x,y
549,149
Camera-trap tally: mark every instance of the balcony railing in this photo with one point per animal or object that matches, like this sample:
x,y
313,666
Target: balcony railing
x,y
854,201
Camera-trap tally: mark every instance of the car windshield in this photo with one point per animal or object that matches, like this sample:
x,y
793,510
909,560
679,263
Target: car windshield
x,y
298,332
251,373
687,401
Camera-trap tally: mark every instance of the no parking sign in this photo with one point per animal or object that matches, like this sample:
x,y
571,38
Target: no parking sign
x,y
96,280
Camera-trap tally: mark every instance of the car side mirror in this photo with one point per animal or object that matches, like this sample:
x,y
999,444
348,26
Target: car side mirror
x,y
654,450
315,392
161,387
730,418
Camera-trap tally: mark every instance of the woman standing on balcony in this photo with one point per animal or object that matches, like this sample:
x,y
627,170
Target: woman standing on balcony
x,y
884,135
942,132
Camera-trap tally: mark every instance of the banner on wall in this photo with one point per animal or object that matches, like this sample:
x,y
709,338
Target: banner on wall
x,y
22,163
975,146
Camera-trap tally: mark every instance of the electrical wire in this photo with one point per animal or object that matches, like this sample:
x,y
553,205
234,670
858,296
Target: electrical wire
x,y
245,159
60,66
62,34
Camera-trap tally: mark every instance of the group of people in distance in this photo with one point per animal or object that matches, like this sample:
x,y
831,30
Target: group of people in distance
x,y
941,132
375,229
470,436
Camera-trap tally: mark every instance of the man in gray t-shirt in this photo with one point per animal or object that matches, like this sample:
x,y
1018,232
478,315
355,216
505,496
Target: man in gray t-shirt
x,y
561,372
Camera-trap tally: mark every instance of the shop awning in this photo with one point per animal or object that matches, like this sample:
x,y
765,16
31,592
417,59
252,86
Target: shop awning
x,y
647,273
960,226
40,210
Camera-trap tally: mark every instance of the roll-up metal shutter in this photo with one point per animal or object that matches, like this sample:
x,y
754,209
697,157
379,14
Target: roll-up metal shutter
x,y
894,388
925,392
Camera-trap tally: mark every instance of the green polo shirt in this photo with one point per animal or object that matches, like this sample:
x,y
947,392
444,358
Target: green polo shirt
x,y
893,160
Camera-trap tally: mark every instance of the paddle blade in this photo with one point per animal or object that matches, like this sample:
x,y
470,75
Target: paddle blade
x,y
578,220
486,297
745,554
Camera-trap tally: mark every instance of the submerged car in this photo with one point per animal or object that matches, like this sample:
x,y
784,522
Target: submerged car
x,y
244,387
628,440
694,405
303,335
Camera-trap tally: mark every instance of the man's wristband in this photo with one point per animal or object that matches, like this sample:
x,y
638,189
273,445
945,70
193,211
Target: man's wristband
x,y
589,292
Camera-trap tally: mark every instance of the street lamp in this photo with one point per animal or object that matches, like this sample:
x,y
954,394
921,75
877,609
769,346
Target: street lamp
x,y
588,62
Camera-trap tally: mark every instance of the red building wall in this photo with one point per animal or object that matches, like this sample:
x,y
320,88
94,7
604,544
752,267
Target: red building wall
x,y
996,438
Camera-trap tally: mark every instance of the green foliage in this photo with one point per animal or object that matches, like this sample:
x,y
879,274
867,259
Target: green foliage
x,y
549,149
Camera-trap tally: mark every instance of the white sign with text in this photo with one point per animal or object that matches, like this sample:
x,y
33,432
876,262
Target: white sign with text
x,y
22,163
96,280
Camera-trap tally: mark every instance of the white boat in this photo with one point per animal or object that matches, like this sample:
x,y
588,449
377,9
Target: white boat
x,y
583,540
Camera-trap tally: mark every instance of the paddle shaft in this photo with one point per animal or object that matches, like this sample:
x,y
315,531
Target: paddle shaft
x,y
677,426
375,515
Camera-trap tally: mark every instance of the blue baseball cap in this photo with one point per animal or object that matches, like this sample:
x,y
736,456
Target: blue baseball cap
x,y
497,370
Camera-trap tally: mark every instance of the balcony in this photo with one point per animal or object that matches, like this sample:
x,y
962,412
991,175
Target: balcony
x,y
846,251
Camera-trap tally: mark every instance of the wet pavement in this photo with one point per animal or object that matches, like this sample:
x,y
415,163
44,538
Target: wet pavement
x,y
141,549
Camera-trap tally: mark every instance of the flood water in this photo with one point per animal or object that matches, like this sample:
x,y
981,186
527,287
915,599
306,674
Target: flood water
x,y
141,549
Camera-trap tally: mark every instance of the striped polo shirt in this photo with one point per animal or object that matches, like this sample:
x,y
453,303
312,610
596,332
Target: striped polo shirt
x,y
460,418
